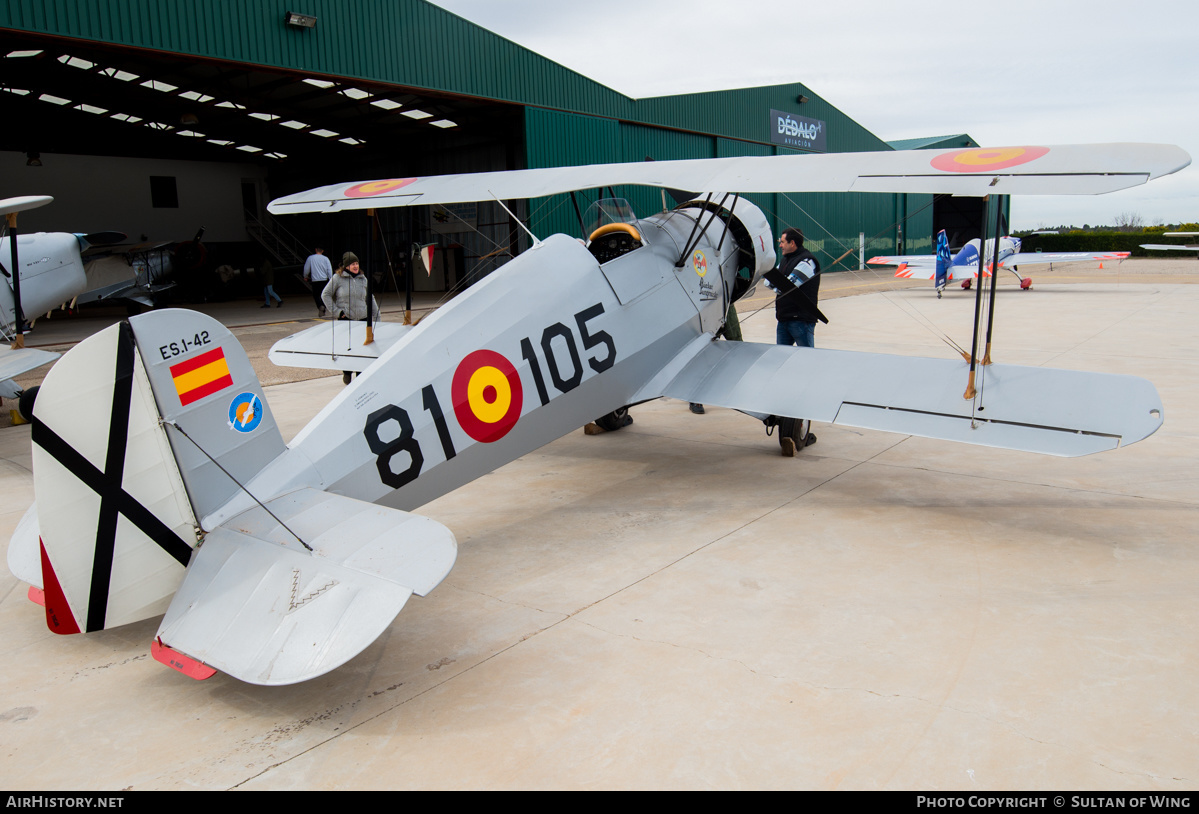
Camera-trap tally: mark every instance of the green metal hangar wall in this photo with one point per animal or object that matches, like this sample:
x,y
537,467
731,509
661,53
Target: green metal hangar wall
x,y
156,116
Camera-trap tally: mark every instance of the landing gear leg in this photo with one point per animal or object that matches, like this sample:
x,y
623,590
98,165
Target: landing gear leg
x,y
615,420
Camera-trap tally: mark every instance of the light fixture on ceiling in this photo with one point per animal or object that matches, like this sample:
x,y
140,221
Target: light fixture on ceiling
x,y
299,20
189,118
33,159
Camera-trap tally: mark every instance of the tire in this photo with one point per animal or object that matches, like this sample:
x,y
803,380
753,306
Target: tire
x,y
25,402
797,429
615,420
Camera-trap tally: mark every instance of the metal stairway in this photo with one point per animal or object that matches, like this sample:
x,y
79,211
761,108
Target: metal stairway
x,y
282,245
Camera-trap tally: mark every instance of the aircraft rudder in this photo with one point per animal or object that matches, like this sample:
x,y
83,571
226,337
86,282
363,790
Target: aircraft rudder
x,y
136,430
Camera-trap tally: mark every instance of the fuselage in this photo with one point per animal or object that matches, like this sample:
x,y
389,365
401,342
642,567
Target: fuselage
x,y
553,341
51,273
965,262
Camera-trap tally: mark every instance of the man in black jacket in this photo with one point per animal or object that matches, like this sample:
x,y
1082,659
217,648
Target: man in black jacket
x,y
796,283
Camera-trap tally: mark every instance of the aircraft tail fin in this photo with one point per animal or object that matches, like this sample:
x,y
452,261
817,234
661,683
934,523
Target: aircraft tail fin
x,y
137,431
153,423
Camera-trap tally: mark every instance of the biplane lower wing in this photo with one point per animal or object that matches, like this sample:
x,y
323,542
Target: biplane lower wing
x,y
14,362
337,345
1031,258
1057,412
1170,247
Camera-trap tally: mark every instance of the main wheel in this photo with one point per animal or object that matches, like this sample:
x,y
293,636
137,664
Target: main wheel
x,y
797,429
615,420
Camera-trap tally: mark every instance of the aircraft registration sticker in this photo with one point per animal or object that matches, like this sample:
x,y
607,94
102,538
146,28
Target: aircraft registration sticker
x,y
201,376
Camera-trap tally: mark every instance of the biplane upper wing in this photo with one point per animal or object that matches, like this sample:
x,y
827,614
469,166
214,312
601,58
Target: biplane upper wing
x,y
1058,412
1029,170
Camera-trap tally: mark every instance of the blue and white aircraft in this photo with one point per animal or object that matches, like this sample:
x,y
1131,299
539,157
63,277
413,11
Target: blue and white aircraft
x,y
964,265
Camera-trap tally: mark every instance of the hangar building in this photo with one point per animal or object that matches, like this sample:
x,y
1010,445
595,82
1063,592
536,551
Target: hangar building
x,y
155,117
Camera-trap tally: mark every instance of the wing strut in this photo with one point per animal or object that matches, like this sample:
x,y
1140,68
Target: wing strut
x,y
994,279
693,239
978,303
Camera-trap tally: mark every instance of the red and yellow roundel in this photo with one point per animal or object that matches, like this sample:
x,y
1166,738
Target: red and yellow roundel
x,y
487,395
982,159
699,261
369,189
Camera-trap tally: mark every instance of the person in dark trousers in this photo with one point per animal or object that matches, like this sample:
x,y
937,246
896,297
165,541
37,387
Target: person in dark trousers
x,y
266,270
317,270
796,283
345,295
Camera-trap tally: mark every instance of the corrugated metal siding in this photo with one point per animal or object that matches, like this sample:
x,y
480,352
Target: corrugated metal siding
x,y
831,222
745,114
404,42
554,139
415,44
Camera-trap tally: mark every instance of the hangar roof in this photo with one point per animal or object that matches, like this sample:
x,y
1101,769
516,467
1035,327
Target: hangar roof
x,y
934,142
89,98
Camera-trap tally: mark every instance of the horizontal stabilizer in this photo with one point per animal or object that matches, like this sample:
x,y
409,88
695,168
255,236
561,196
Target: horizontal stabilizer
x,y
337,345
259,606
1057,412
24,550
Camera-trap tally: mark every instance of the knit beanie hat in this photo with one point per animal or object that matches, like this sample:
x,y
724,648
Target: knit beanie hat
x,y
348,259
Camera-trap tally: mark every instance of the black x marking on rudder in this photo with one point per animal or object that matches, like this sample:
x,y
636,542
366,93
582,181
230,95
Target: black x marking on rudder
x,y
114,500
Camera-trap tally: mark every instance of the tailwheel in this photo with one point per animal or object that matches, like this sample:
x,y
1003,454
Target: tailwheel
x,y
25,402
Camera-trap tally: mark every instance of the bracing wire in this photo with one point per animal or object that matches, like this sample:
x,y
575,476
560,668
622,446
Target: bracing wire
x,y
907,308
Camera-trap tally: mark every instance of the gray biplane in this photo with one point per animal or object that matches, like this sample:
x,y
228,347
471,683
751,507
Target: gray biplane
x,y
173,492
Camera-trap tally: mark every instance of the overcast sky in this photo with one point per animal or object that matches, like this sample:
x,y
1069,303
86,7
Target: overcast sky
x,y
1020,72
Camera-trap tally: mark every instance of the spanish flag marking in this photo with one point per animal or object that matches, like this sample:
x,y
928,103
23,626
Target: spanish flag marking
x,y
201,376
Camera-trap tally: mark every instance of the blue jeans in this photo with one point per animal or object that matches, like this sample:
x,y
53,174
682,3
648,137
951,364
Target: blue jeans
x,y
796,332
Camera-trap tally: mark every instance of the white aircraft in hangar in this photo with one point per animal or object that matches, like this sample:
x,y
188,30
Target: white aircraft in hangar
x,y
51,273
173,491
